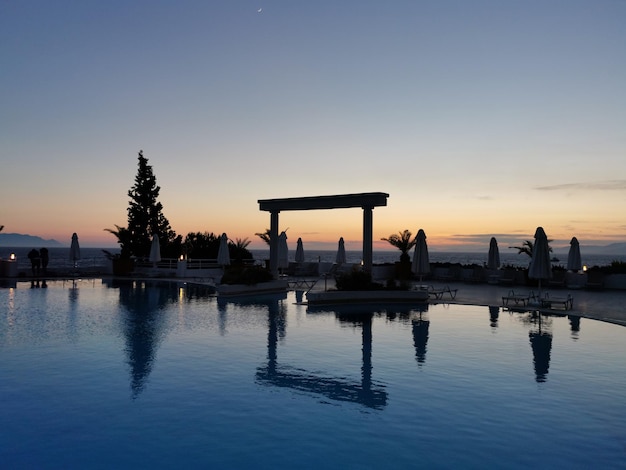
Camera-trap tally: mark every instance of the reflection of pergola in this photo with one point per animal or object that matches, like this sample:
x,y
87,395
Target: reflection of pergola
x,y
366,201
341,389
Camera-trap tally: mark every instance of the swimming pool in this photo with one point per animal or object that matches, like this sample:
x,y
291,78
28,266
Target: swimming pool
x,y
105,374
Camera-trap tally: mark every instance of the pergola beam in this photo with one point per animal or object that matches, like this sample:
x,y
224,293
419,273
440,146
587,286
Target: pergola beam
x,y
366,201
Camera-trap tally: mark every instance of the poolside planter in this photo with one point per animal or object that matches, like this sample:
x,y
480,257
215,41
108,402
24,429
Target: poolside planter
x,y
260,288
122,266
615,281
366,296
8,268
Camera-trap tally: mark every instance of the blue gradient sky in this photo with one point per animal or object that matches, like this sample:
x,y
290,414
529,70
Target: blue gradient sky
x,y
479,118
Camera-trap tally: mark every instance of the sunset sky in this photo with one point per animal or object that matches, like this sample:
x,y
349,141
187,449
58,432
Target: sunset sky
x,y
479,118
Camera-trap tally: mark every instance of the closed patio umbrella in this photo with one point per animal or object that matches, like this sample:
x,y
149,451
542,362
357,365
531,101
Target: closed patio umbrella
x,y
155,251
341,252
421,265
283,251
493,258
573,257
540,264
223,256
299,252
74,250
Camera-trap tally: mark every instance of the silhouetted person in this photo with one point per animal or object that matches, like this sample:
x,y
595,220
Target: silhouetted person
x,y
35,261
43,254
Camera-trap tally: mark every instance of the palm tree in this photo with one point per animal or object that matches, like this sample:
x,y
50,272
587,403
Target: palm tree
x,y
527,248
241,243
124,237
239,249
402,241
265,236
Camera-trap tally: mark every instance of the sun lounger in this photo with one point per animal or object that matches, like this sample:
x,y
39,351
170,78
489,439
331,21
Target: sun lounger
x,y
304,284
518,298
563,303
438,293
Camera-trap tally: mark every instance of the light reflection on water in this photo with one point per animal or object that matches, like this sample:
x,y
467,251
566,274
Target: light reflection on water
x,y
145,374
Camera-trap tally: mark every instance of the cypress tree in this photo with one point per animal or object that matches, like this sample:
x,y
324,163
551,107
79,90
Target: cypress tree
x,y
145,218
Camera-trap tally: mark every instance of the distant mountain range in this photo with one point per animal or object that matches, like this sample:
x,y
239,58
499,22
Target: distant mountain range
x,y
19,239
612,249
23,240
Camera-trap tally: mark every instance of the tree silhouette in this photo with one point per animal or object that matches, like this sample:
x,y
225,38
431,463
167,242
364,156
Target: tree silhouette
x,y
402,241
145,218
265,236
527,248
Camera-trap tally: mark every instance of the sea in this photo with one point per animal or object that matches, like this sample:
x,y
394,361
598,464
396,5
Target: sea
x,y
96,257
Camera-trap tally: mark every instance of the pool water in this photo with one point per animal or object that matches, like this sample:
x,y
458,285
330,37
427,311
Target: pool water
x,y
106,374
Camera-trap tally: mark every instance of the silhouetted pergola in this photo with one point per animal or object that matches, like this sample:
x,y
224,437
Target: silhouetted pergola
x,y
366,201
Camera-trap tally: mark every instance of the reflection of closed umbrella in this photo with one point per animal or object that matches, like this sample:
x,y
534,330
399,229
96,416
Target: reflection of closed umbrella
x,y
155,250
223,256
299,252
341,252
541,343
540,265
420,339
74,250
420,265
573,258
493,259
283,251
494,312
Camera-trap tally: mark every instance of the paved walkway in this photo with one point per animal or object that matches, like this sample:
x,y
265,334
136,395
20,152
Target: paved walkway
x,y
606,305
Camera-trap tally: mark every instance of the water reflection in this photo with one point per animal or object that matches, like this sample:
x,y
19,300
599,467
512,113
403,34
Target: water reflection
x,y
541,344
8,283
420,339
364,392
143,324
574,322
273,302
494,313
72,318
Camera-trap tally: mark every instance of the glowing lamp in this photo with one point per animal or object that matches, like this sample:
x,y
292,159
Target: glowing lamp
x,y
12,256
584,268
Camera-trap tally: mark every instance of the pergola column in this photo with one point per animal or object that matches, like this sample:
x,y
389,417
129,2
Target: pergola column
x,y
368,238
274,243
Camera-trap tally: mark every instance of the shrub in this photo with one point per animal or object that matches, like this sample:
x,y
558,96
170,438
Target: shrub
x,y
356,280
247,275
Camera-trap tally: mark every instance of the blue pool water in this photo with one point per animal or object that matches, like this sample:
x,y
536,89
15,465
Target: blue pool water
x,y
145,375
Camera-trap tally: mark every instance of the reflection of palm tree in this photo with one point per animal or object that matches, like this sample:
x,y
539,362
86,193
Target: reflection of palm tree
x,y
420,338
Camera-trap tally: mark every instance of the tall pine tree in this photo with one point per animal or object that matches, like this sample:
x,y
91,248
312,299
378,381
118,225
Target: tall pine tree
x,y
145,218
